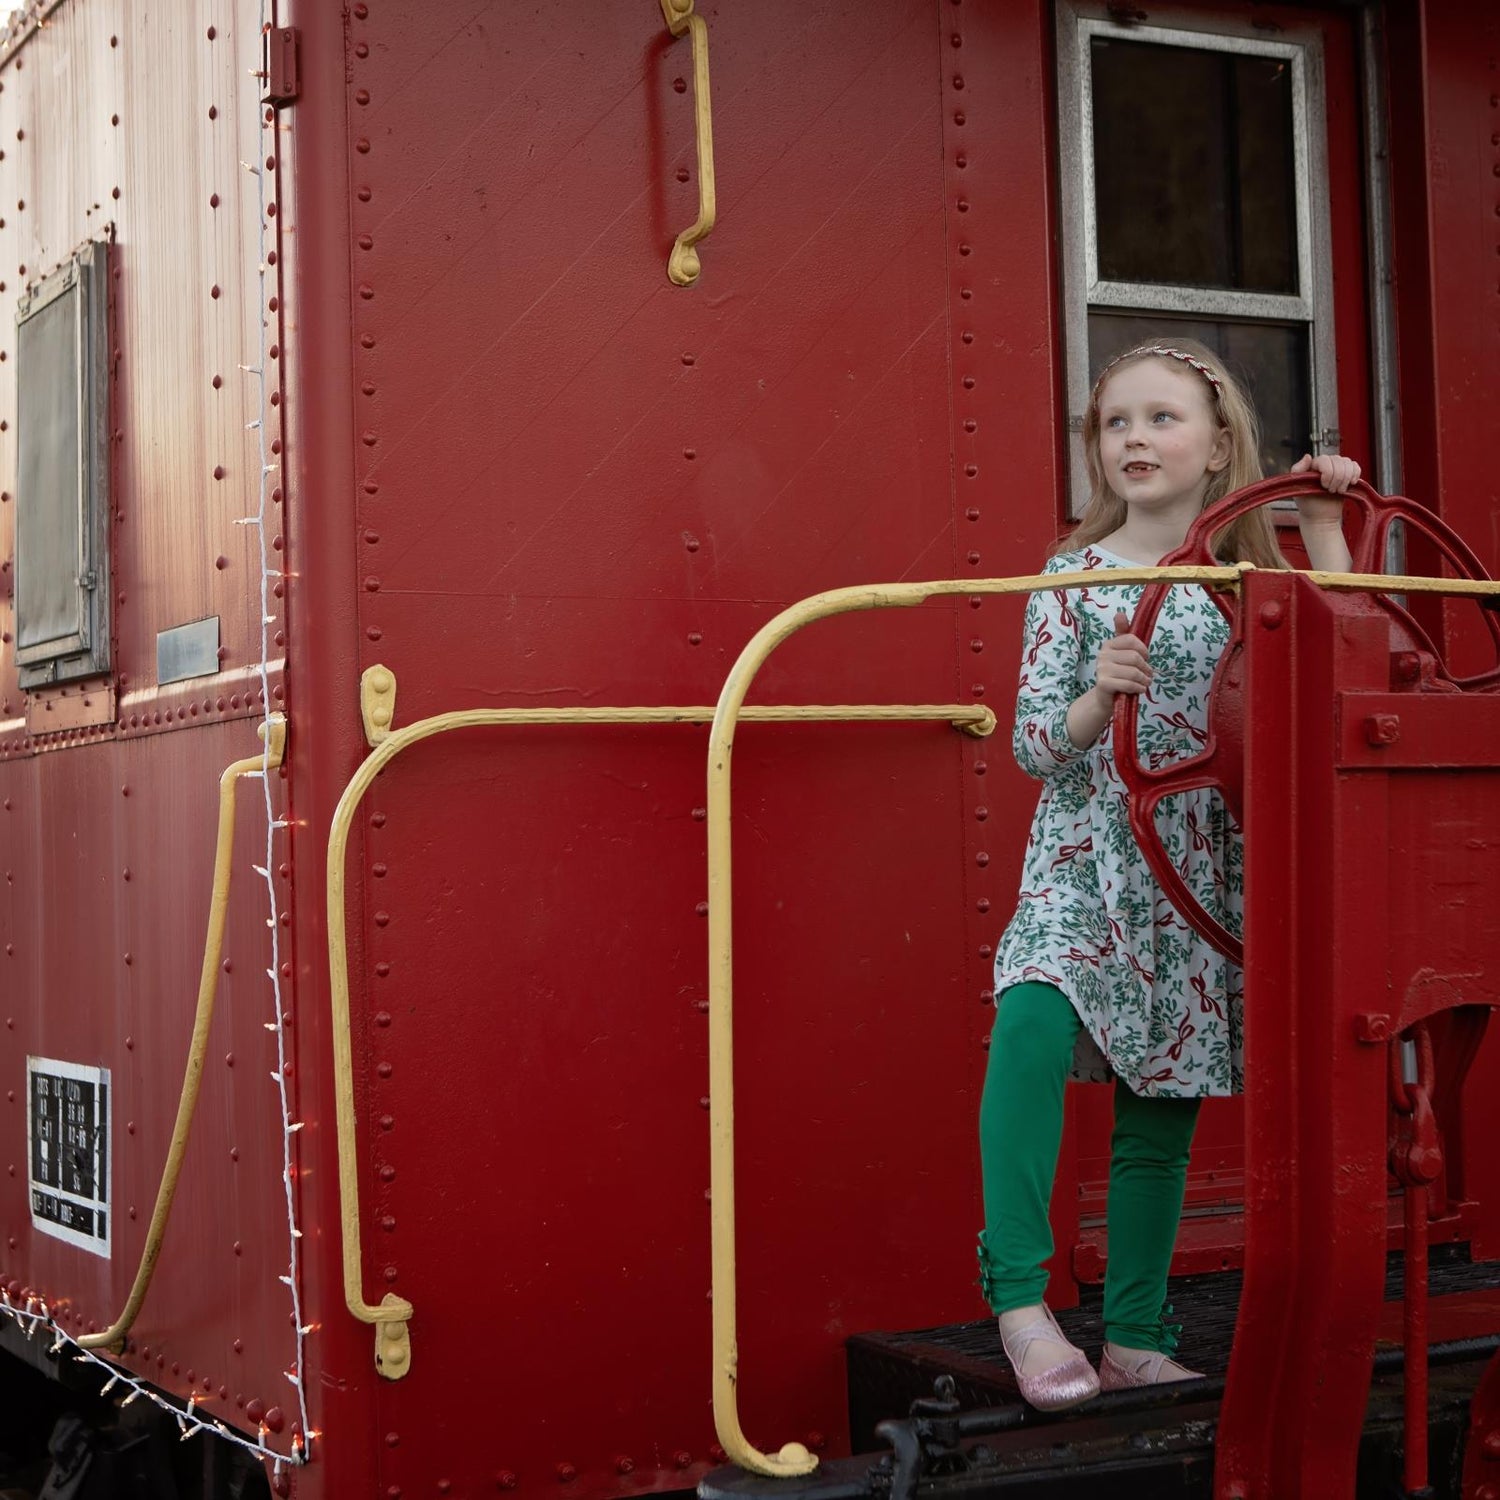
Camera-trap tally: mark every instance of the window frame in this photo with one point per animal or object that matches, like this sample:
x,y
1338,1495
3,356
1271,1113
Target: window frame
x,y
83,651
1078,23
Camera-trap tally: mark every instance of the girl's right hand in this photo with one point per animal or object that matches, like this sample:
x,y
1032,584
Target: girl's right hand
x,y
1124,664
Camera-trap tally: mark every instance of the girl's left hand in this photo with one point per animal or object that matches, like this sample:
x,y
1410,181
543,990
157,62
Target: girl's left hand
x,y
1335,473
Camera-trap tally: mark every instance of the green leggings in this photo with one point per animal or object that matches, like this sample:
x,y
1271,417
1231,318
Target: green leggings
x,y
1020,1129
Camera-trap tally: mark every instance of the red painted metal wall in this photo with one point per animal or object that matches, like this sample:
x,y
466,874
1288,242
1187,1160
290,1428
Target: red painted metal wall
x,y
575,483
1445,117
522,469
133,125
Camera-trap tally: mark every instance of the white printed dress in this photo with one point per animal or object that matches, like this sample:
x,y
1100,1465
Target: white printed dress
x,y
1161,1009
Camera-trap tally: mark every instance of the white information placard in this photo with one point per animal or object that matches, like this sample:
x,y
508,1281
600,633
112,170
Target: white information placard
x,y
67,1146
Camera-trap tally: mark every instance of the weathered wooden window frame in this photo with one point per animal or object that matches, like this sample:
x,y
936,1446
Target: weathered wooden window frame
x,y
80,503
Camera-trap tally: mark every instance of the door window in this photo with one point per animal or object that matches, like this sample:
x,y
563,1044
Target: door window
x,y
1194,182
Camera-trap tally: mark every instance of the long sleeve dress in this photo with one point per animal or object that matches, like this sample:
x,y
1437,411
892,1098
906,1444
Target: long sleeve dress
x,y
1161,1009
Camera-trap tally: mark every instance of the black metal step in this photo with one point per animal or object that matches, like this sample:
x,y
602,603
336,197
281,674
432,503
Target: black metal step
x,y
1126,1446
1155,1444
888,1371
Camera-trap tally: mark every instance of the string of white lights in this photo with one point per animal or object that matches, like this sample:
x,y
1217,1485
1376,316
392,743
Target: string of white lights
x,y
35,1315
274,824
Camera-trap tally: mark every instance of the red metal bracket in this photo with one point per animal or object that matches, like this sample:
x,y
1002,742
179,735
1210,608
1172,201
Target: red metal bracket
x,y
283,82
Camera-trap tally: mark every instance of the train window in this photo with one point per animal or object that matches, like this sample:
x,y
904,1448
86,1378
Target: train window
x,y
1273,357
1194,195
62,479
1194,179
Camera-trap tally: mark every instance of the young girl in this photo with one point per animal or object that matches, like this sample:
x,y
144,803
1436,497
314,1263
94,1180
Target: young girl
x,y
1097,975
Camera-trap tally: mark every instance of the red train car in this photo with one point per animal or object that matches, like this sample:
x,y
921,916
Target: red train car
x,y
340,337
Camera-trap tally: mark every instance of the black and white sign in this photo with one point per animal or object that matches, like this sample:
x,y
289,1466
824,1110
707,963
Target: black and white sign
x,y
67,1130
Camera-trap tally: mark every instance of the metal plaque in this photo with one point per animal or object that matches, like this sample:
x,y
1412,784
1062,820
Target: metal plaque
x,y
187,651
67,1141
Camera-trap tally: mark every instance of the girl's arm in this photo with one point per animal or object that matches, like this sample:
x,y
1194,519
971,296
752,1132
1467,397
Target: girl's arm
x,y
1043,740
1321,520
1055,722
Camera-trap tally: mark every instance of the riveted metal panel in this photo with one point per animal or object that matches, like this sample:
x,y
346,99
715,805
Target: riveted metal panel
x,y
133,126
578,483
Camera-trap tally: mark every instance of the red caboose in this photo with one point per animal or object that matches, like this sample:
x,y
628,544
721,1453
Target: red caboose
x,y
348,388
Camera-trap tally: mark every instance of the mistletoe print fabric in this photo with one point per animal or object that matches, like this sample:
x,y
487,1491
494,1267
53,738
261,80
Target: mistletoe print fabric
x,y
1161,1009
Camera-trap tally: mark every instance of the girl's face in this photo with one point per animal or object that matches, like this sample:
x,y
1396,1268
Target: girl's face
x,y
1159,444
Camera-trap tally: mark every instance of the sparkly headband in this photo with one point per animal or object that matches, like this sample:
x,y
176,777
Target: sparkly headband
x,y
1168,352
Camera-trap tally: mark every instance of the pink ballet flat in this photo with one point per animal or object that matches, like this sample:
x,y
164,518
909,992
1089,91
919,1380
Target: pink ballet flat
x,y
1067,1383
1122,1369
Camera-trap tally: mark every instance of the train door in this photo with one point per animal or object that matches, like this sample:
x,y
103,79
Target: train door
x,y
1212,171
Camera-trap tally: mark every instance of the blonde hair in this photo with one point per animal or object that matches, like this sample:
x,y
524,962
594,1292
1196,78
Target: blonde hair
x,y
1250,539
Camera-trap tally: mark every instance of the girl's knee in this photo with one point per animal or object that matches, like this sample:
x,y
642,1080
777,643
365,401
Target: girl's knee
x,y
1158,1130
1035,1026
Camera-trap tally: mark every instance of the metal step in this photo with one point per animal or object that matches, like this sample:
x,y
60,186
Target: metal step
x,y
969,1436
888,1371
1126,1445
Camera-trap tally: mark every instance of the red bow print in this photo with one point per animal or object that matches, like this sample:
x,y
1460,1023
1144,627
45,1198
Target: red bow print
x,y
1206,1002
1179,720
1070,851
1185,1032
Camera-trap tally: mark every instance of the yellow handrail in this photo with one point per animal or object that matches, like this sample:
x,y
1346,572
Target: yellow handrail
x,y
218,909
793,1458
391,1315
683,264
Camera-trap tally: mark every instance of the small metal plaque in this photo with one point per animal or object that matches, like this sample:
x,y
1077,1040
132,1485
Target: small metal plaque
x,y
67,1130
187,651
